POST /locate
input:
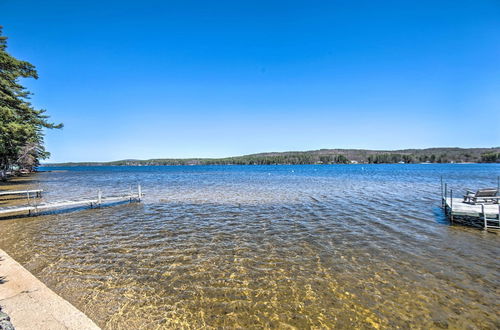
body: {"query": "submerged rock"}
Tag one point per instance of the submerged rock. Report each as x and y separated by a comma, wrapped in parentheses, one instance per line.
(5, 321)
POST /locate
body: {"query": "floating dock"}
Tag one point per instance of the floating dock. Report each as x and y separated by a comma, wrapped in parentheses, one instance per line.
(483, 215)
(99, 200)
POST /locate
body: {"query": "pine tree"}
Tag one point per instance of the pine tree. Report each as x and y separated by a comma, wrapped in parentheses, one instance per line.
(21, 125)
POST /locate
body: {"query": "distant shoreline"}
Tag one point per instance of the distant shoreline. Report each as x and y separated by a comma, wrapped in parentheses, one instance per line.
(173, 165)
(323, 156)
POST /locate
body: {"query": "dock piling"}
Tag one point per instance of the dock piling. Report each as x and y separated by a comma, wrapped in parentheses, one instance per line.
(484, 217)
(451, 205)
(445, 197)
(442, 195)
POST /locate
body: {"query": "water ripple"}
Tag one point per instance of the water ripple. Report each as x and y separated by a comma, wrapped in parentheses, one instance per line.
(259, 247)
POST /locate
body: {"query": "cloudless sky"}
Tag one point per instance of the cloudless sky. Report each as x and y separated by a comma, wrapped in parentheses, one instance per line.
(152, 79)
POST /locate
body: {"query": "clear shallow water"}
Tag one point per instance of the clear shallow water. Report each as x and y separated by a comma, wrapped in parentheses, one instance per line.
(266, 246)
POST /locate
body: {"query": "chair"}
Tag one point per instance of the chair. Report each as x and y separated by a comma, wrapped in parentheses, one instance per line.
(488, 195)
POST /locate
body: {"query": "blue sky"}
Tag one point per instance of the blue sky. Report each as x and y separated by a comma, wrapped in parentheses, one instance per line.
(150, 79)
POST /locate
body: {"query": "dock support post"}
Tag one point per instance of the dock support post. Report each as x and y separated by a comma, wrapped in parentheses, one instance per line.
(445, 197)
(442, 195)
(498, 215)
(451, 205)
(139, 192)
(484, 217)
(32, 212)
(99, 198)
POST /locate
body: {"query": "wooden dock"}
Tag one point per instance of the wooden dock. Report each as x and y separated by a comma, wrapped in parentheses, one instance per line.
(484, 215)
(34, 192)
(98, 201)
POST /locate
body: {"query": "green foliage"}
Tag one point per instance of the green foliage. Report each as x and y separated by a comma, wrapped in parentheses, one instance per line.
(491, 157)
(341, 159)
(386, 158)
(21, 125)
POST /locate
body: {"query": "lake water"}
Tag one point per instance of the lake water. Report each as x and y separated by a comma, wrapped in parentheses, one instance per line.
(345, 246)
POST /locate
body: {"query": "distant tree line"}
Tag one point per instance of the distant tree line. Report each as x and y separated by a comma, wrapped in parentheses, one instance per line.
(332, 156)
(389, 158)
(21, 125)
(292, 158)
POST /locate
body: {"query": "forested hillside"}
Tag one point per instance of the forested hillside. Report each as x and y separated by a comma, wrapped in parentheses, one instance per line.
(332, 156)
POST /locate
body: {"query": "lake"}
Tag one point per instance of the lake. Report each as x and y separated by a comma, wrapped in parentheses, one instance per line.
(345, 246)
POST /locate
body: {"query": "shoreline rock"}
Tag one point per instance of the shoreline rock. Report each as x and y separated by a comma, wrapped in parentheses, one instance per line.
(5, 323)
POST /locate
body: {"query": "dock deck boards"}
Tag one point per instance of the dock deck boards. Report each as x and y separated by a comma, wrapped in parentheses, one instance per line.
(486, 214)
(461, 208)
(36, 192)
(62, 204)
